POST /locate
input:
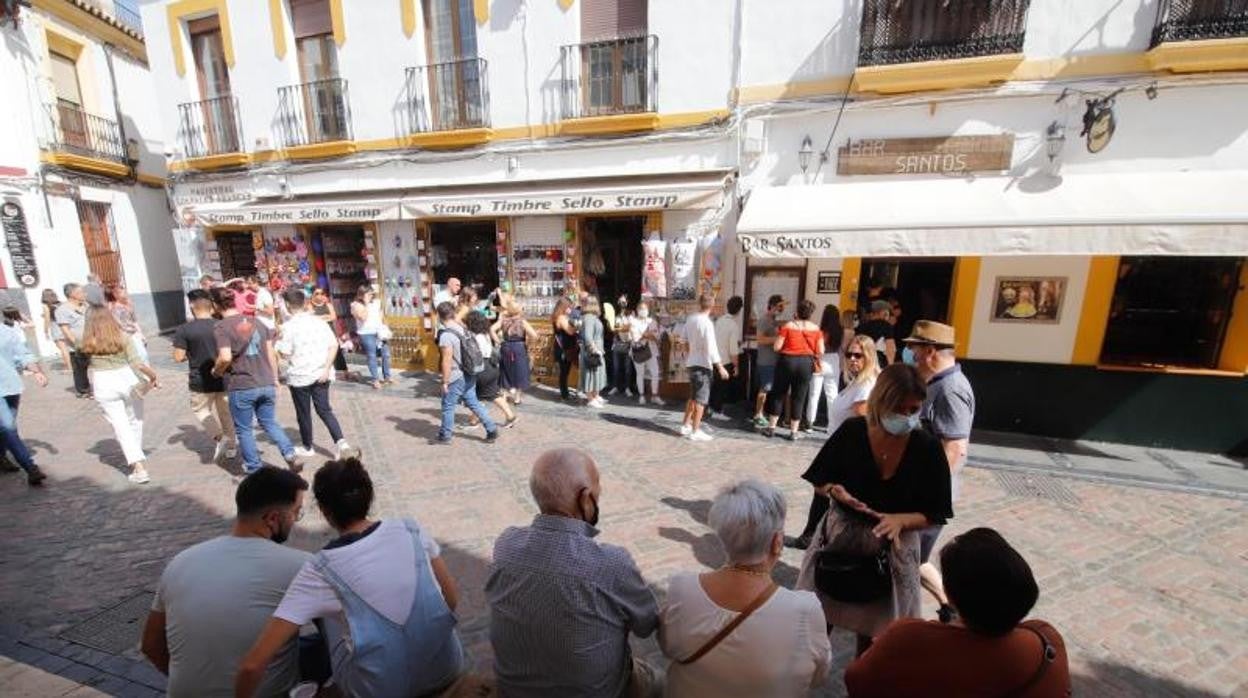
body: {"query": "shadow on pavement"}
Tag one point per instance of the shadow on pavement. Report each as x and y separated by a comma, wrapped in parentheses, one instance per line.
(706, 548)
(1109, 678)
(1039, 443)
(636, 423)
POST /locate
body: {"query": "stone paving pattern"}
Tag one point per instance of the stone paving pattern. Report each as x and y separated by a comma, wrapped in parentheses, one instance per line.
(1141, 555)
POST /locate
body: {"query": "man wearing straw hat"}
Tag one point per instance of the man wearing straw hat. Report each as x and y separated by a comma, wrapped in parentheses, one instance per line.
(947, 413)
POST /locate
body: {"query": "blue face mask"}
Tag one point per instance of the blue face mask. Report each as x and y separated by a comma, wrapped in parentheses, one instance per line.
(907, 356)
(900, 424)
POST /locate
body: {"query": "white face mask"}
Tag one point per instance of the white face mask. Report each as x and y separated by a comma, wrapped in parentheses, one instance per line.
(643, 313)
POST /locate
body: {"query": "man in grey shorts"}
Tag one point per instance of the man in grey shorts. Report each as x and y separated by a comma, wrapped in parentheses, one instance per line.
(765, 363)
(699, 334)
(947, 413)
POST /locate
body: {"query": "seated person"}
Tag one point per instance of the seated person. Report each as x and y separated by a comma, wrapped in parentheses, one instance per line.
(780, 648)
(214, 598)
(988, 650)
(383, 593)
(562, 605)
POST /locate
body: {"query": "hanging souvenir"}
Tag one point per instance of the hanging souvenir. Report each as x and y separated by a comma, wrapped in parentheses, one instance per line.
(684, 282)
(711, 252)
(654, 268)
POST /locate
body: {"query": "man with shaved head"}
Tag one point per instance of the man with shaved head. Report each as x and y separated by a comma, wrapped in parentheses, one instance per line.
(562, 605)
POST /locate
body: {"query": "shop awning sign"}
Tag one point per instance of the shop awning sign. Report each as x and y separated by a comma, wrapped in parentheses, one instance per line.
(562, 203)
(309, 213)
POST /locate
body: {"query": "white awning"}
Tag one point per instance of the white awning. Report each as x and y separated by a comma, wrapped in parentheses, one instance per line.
(639, 193)
(1104, 214)
(312, 211)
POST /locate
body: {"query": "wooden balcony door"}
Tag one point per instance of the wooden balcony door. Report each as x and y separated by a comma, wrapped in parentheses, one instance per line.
(454, 87)
(103, 257)
(219, 132)
(323, 107)
(613, 71)
(71, 125)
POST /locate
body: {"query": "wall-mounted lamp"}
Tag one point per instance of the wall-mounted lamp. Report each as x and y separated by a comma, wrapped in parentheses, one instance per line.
(803, 154)
(1054, 139)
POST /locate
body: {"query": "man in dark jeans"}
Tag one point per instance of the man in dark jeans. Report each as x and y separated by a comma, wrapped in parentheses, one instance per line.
(71, 317)
(310, 347)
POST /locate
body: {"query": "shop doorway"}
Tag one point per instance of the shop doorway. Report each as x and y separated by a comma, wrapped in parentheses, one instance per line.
(612, 257)
(921, 286)
(236, 253)
(344, 267)
(465, 250)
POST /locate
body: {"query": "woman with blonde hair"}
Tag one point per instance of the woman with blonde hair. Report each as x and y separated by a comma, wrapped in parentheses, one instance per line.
(119, 377)
(511, 331)
(593, 353)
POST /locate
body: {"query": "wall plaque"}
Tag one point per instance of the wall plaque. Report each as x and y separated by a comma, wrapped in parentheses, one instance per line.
(951, 154)
(17, 238)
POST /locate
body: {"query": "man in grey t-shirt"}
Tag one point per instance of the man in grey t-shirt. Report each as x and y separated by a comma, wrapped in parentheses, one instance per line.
(765, 364)
(459, 383)
(214, 598)
(948, 413)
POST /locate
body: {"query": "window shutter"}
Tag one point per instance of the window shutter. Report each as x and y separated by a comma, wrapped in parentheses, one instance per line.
(610, 19)
(310, 18)
(203, 25)
(65, 79)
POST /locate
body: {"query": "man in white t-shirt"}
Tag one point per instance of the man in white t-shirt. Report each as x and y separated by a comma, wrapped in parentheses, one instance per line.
(699, 334)
(728, 339)
(266, 313)
(309, 347)
(449, 294)
(215, 597)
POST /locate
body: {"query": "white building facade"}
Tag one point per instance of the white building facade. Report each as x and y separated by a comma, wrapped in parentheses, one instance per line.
(811, 147)
(82, 160)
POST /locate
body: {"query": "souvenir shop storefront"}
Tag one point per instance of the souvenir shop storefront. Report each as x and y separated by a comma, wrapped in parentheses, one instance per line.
(657, 236)
(1087, 308)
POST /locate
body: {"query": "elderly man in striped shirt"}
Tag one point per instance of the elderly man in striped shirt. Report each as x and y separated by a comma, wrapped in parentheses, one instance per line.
(562, 605)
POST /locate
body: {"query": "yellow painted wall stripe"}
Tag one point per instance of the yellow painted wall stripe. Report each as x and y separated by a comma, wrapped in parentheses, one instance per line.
(183, 9)
(340, 26)
(407, 8)
(962, 301)
(277, 21)
(851, 270)
(1098, 296)
(1235, 345)
(481, 10)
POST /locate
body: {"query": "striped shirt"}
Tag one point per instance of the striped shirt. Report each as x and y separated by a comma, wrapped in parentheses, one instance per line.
(561, 609)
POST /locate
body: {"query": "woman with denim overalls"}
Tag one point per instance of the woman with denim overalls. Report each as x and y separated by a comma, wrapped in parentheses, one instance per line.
(383, 595)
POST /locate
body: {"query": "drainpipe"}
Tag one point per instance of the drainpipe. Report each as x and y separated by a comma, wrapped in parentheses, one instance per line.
(121, 124)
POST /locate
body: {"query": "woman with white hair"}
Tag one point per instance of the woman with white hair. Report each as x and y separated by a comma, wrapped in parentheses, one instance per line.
(733, 631)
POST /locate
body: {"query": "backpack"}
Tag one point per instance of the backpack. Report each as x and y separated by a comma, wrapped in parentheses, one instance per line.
(471, 362)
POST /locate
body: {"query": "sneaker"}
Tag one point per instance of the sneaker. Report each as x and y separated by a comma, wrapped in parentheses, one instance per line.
(491, 437)
(295, 463)
(304, 452)
(656, 400)
(700, 435)
(35, 476)
(597, 403)
(440, 441)
(641, 399)
(218, 451)
(346, 450)
(794, 435)
(760, 422)
(139, 477)
(686, 429)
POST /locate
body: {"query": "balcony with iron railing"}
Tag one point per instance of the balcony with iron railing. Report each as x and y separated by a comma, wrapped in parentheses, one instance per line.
(1200, 35)
(314, 119)
(609, 86)
(447, 105)
(938, 44)
(210, 133)
(83, 141)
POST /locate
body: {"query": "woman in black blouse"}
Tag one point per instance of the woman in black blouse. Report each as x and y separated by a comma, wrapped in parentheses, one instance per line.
(884, 468)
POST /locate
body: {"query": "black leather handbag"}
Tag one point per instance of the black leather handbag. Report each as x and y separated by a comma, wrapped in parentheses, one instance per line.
(853, 577)
(640, 352)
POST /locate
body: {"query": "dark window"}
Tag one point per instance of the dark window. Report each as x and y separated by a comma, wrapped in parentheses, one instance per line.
(1170, 311)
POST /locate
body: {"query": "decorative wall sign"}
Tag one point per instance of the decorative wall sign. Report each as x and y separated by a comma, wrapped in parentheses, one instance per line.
(1028, 299)
(1099, 123)
(829, 282)
(951, 154)
(17, 239)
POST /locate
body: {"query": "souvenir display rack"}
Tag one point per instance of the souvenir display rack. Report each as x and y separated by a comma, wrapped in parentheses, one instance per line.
(347, 261)
(540, 277)
(233, 254)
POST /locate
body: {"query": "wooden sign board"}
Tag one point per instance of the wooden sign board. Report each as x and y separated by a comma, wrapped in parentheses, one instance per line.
(948, 155)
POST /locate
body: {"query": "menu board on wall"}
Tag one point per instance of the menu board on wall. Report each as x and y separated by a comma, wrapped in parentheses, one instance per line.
(17, 239)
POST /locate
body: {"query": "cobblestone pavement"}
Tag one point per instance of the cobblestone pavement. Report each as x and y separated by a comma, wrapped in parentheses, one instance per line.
(1142, 555)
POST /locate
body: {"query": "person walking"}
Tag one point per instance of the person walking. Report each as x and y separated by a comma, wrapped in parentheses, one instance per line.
(702, 363)
(826, 383)
(248, 363)
(122, 308)
(488, 381)
(116, 368)
(15, 359)
(195, 343)
(728, 339)
(461, 363)
(512, 331)
(948, 414)
(593, 354)
(71, 318)
(643, 334)
(800, 345)
(765, 362)
(565, 343)
(324, 309)
(309, 347)
(373, 333)
(51, 330)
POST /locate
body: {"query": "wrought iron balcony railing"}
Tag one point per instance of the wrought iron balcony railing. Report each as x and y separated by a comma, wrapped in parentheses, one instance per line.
(78, 132)
(314, 112)
(448, 96)
(1190, 20)
(210, 127)
(615, 76)
(915, 31)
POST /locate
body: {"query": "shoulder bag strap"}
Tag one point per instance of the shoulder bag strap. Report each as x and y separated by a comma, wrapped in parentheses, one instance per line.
(1048, 655)
(727, 629)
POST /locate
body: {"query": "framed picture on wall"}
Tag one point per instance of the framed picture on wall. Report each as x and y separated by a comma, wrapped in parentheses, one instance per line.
(1028, 299)
(829, 282)
(763, 282)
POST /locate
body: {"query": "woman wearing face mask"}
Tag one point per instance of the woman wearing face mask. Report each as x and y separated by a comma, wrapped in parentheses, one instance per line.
(643, 331)
(883, 470)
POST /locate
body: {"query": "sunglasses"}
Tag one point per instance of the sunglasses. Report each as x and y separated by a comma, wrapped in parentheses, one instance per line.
(855, 355)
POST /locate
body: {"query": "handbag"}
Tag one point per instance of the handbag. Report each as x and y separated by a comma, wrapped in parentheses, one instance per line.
(640, 352)
(593, 360)
(853, 577)
(732, 625)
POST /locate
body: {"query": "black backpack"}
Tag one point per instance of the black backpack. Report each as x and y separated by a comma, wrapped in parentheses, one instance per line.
(471, 362)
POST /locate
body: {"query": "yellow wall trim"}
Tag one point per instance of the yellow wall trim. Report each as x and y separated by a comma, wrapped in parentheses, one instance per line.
(217, 162)
(851, 271)
(92, 25)
(340, 26)
(59, 43)
(601, 125)
(1235, 345)
(962, 301)
(513, 133)
(1200, 56)
(83, 163)
(182, 10)
(321, 150)
(277, 22)
(979, 71)
(407, 8)
(795, 90)
(460, 138)
(692, 118)
(565, 4)
(481, 10)
(151, 180)
(1098, 296)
